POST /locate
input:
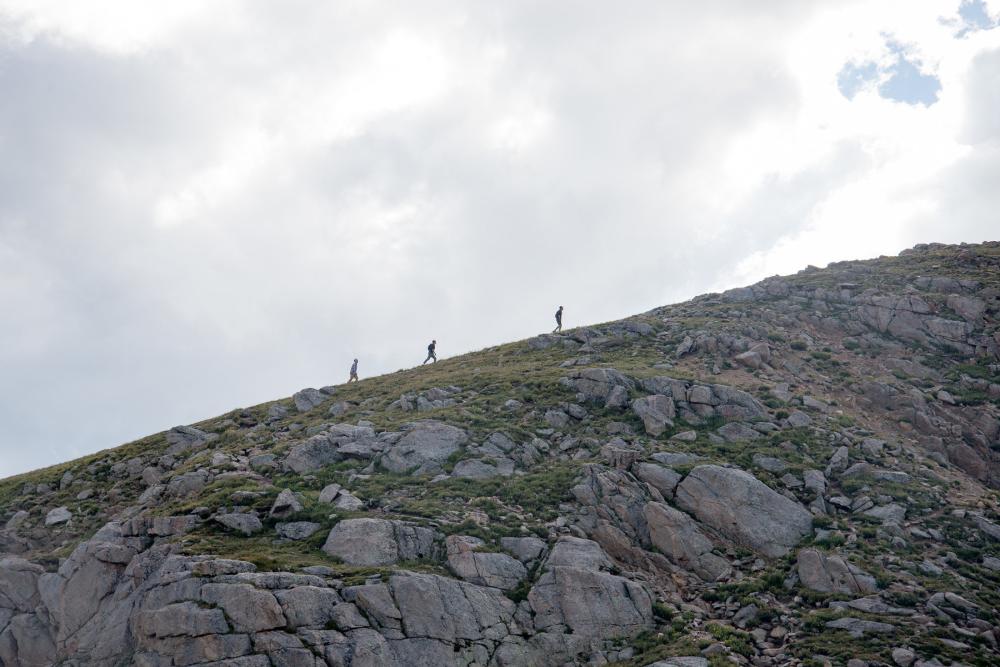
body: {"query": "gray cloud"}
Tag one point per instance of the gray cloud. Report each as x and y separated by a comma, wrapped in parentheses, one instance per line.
(240, 207)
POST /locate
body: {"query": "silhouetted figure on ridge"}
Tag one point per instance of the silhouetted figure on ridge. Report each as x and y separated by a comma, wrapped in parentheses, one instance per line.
(430, 352)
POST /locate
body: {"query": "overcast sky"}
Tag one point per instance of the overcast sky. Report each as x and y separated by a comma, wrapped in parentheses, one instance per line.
(206, 205)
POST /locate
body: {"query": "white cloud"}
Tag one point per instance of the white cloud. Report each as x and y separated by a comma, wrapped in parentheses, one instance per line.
(206, 205)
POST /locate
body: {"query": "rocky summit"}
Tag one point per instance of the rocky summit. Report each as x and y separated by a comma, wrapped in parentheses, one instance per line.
(800, 472)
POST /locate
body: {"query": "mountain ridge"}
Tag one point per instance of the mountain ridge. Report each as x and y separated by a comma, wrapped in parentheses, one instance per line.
(801, 471)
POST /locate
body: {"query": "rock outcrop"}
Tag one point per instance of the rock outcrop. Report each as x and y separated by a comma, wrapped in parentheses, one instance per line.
(743, 508)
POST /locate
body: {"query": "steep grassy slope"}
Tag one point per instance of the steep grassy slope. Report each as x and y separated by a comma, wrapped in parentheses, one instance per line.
(880, 378)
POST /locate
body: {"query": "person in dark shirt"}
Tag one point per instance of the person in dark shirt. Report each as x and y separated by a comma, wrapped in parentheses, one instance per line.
(558, 320)
(430, 352)
(354, 372)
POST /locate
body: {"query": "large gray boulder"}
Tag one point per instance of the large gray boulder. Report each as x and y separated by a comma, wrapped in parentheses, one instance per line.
(656, 412)
(832, 574)
(379, 542)
(483, 568)
(424, 449)
(27, 642)
(678, 537)
(530, 549)
(245, 523)
(744, 509)
(313, 454)
(19, 584)
(659, 477)
(248, 608)
(308, 398)
(57, 516)
(182, 619)
(595, 605)
(448, 610)
(308, 606)
(578, 553)
(187, 483)
(605, 386)
(296, 530)
(185, 438)
(483, 469)
(697, 401)
(285, 505)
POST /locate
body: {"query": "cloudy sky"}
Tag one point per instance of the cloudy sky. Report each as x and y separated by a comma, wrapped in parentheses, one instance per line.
(206, 205)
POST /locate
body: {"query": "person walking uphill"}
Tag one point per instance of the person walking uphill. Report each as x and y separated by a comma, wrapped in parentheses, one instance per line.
(354, 372)
(430, 352)
(558, 320)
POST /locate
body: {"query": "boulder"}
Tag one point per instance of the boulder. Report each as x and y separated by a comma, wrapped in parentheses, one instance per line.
(769, 463)
(308, 606)
(27, 642)
(19, 584)
(676, 458)
(556, 419)
(815, 481)
(798, 419)
(530, 549)
(756, 357)
(448, 610)
(891, 513)
(482, 568)
(832, 574)
(483, 468)
(744, 509)
(329, 493)
(605, 386)
(307, 399)
(57, 516)
(380, 542)
(681, 661)
(578, 553)
(185, 438)
(591, 604)
(424, 449)
(188, 483)
(16, 519)
(348, 502)
(247, 607)
(313, 454)
(656, 412)
(661, 478)
(678, 537)
(248, 524)
(181, 619)
(737, 432)
(285, 505)
(297, 530)
(858, 627)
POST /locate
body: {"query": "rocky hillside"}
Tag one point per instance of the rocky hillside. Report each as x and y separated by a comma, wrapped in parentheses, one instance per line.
(800, 472)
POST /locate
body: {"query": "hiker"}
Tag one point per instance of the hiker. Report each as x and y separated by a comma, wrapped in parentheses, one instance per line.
(430, 352)
(354, 372)
(558, 320)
